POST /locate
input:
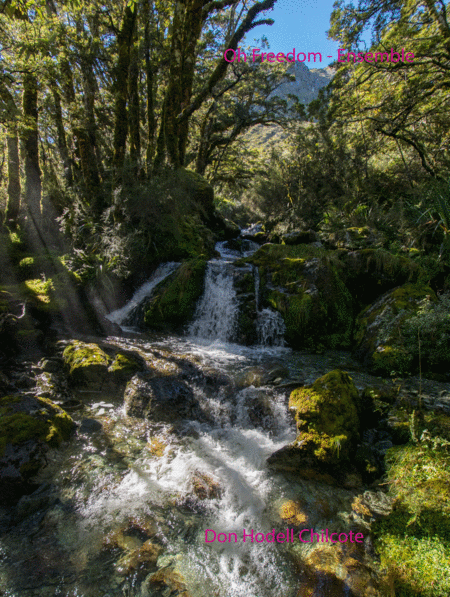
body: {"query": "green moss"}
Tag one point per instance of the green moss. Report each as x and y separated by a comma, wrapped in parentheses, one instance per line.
(79, 355)
(174, 300)
(124, 363)
(326, 416)
(304, 283)
(48, 424)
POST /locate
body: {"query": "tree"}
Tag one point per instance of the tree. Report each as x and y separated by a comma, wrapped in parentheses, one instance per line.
(406, 102)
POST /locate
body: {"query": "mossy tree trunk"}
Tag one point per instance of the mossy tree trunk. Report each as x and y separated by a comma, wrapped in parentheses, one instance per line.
(30, 141)
(186, 30)
(12, 141)
(188, 21)
(61, 140)
(124, 41)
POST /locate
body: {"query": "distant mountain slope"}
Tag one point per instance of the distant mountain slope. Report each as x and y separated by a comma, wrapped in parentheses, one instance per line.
(307, 82)
(306, 87)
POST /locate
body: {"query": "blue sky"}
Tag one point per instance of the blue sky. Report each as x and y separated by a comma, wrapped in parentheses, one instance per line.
(299, 24)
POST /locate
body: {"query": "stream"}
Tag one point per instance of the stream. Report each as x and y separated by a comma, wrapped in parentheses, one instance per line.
(125, 508)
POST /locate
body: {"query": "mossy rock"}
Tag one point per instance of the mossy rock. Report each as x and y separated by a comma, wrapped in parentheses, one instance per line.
(328, 427)
(173, 302)
(305, 285)
(28, 427)
(378, 329)
(90, 366)
(370, 273)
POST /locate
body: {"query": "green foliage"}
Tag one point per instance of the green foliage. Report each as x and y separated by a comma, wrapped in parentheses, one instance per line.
(414, 541)
(431, 327)
(326, 416)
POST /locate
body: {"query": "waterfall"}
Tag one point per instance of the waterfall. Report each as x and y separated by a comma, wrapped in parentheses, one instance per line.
(270, 328)
(216, 314)
(124, 314)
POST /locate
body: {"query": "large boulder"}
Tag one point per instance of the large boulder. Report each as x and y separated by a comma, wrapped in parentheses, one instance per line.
(29, 426)
(328, 429)
(89, 366)
(380, 341)
(173, 302)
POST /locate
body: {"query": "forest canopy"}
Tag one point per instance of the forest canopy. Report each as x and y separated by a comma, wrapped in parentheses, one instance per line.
(100, 101)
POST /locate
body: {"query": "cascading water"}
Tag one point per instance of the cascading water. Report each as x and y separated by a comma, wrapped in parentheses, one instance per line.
(270, 326)
(134, 500)
(216, 314)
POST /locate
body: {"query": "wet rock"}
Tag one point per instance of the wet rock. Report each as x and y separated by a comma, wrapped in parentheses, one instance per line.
(164, 583)
(293, 513)
(340, 569)
(141, 559)
(371, 506)
(41, 499)
(157, 446)
(51, 365)
(173, 302)
(161, 399)
(89, 426)
(305, 285)
(29, 426)
(205, 487)
(130, 535)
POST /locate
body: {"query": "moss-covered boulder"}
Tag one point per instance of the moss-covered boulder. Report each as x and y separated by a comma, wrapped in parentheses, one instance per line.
(304, 284)
(89, 366)
(29, 426)
(379, 337)
(173, 302)
(369, 273)
(328, 428)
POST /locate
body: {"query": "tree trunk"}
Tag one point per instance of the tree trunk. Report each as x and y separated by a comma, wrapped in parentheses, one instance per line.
(134, 111)
(84, 149)
(61, 139)
(33, 188)
(124, 40)
(151, 124)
